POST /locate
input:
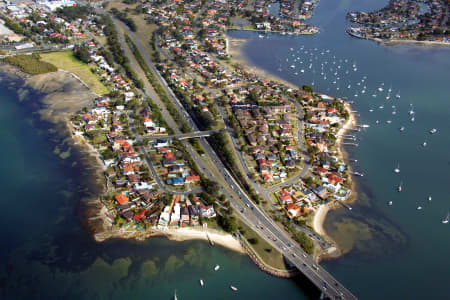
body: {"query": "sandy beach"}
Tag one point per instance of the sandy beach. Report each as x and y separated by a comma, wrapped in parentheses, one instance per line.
(234, 47)
(181, 234)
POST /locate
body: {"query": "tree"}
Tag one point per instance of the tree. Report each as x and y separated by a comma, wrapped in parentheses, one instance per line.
(82, 54)
(308, 88)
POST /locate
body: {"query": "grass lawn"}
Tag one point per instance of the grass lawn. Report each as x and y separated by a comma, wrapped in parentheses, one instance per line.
(66, 61)
(271, 257)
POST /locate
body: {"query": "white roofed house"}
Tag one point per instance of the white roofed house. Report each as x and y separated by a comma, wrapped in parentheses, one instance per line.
(207, 211)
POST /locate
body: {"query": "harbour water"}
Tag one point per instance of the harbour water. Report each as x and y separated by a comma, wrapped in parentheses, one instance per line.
(398, 251)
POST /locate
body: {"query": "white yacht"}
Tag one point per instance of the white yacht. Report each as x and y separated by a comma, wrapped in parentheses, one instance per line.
(397, 170)
(433, 131)
(216, 267)
(201, 282)
(390, 203)
(419, 207)
(445, 221)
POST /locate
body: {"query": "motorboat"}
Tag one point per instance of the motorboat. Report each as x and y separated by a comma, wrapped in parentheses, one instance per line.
(201, 282)
(429, 198)
(233, 288)
(397, 170)
(399, 189)
(419, 207)
(217, 267)
(433, 131)
(390, 203)
(402, 128)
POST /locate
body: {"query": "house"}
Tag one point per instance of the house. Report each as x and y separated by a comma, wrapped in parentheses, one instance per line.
(175, 216)
(191, 179)
(175, 181)
(164, 218)
(293, 210)
(121, 199)
(207, 211)
(285, 197)
(184, 221)
(193, 211)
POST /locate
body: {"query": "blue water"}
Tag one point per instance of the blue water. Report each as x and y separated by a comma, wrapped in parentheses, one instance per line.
(397, 251)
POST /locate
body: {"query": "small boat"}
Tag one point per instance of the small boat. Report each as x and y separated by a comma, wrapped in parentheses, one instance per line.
(445, 221)
(419, 207)
(424, 143)
(398, 95)
(261, 36)
(370, 110)
(402, 128)
(292, 66)
(399, 189)
(233, 288)
(380, 89)
(388, 121)
(397, 170)
(429, 198)
(433, 131)
(390, 203)
(201, 282)
(413, 119)
(175, 296)
(217, 267)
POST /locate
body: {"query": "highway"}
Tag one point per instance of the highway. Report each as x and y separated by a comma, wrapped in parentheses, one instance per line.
(244, 208)
(252, 214)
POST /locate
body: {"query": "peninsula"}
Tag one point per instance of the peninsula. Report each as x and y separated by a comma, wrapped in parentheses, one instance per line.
(192, 144)
(404, 21)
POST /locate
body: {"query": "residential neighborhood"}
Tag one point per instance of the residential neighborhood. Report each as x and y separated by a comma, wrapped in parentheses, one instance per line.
(404, 20)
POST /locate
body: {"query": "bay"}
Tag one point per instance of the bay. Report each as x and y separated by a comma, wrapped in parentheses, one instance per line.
(393, 251)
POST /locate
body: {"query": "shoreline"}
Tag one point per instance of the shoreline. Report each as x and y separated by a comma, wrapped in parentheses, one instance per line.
(234, 47)
(399, 41)
(181, 234)
(57, 111)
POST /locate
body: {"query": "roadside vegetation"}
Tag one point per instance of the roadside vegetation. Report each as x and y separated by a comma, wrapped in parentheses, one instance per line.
(30, 64)
(178, 118)
(262, 249)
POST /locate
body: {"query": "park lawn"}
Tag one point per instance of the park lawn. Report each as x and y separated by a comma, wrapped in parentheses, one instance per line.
(273, 258)
(66, 61)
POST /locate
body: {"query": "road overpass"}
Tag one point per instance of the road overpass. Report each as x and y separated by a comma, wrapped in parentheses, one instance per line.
(183, 136)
